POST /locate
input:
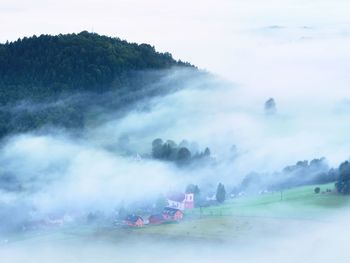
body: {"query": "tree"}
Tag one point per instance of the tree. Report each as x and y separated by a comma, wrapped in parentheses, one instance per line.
(343, 184)
(172, 150)
(192, 188)
(183, 155)
(166, 151)
(157, 145)
(220, 193)
(184, 143)
(270, 106)
(317, 190)
(207, 152)
(172, 144)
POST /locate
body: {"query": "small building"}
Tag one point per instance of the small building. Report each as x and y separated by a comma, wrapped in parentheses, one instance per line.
(134, 221)
(156, 219)
(189, 201)
(172, 214)
(181, 201)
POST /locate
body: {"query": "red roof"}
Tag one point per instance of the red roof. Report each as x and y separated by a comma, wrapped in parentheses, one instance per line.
(133, 218)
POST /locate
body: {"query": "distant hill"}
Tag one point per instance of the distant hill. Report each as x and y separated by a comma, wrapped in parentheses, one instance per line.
(38, 67)
(58, 80)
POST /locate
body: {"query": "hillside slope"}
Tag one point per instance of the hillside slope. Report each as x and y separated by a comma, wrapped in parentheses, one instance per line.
(46, 65)
(59, 80)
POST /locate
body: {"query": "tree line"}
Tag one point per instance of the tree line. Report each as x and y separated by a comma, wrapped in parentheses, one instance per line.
(302, 173)
(180, 153)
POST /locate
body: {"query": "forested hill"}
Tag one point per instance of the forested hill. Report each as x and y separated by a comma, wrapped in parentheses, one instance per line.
(43, 66)
(64, 80)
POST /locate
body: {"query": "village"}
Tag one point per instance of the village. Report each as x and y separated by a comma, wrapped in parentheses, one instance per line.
(173, 212)
(175, 204)
(174, 208)
(208, 217)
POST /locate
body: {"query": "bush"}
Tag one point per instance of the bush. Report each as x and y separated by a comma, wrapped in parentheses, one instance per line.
(343, 184)
(317, 190)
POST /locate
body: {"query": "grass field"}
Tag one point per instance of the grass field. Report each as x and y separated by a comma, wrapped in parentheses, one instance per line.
(261, 228)
(244, 218)
(297, 203)
(252, 216)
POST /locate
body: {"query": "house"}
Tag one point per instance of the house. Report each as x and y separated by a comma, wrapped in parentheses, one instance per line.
(134, 221)
(181, 201)
(189, 201)
(172, 214)
(156, 219)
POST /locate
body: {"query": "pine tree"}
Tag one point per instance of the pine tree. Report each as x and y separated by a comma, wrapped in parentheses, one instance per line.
(343, 184)
(220, 193)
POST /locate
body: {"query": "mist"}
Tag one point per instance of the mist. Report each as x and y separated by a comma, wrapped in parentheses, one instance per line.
(315, 243)
(99, 167)
(296, 52)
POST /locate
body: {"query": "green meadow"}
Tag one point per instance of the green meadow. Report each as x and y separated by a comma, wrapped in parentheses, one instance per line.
(264, 215)
(239, 219)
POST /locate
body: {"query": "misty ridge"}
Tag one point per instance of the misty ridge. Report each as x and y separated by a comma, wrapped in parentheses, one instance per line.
(234, 147)
(118, 161)
(59, 154)
(75, 110)
(77, 163)
(74, 69)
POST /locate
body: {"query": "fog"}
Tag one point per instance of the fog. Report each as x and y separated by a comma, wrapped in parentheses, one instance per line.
(323, 242)
(109, 162)
(294, 51)
(100, 166)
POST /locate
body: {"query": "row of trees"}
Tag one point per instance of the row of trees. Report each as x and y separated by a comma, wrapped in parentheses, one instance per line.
(180, 153)
(317, 171)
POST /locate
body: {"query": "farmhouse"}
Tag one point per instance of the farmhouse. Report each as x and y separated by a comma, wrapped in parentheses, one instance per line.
(134, 220)
(181, 201)
(156, 219)
(172, 214)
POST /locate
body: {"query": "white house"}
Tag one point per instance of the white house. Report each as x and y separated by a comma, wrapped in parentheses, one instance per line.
(181, 201)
